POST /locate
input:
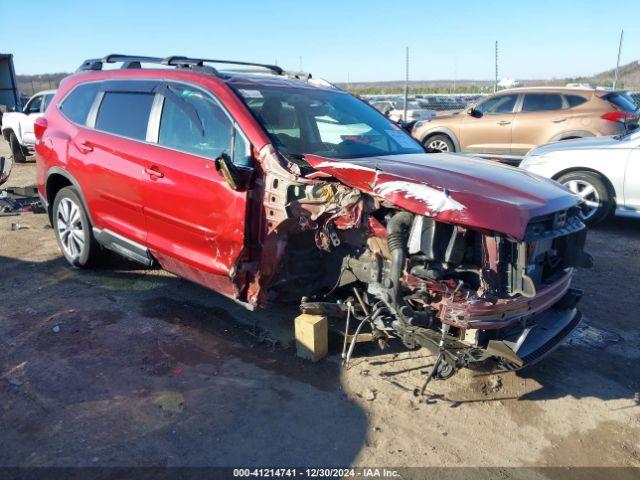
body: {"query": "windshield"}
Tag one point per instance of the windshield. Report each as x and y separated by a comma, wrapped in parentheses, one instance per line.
(327, 123)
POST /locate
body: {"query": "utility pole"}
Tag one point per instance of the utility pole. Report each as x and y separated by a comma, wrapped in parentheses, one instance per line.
(615, 80)
(455, 74)
(495, 85)
(406, 86)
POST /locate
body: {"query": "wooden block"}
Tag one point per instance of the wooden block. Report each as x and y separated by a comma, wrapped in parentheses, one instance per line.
(312, 332)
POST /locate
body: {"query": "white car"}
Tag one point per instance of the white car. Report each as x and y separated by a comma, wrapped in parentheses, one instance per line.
(414, 112)
(604, 171)
(394, 109)
(17, 127)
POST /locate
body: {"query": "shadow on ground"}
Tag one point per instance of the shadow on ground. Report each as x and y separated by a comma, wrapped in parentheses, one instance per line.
(124, 367)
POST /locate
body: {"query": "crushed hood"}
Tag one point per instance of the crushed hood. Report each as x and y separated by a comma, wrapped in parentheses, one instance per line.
(453, 188)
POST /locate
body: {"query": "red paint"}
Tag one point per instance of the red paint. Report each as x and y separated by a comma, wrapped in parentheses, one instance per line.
(176, 204)
(496, 197)
(181, 208)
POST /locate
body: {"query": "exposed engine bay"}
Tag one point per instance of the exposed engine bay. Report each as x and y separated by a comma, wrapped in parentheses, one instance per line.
(466, 294)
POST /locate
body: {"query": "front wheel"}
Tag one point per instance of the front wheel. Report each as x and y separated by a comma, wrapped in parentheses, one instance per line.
(596, 198)
(73, 229)
(16, 149)
(441, 143)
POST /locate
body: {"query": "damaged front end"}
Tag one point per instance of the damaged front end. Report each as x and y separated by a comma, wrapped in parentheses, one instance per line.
(387, 256)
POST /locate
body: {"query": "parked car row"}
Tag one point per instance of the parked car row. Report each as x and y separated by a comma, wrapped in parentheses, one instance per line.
(394, 109)
(270, 189)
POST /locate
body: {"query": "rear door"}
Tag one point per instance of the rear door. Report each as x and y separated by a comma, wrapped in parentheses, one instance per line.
(195, 220)
(491, 132)
(112, 151)
(540, 117)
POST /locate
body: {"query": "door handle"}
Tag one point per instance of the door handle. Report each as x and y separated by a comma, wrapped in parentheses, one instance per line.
(154, 173)
(559, 120)
(504, 122)
(84, 146)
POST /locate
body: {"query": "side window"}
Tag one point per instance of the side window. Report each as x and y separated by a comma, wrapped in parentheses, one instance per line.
(499, 104)
(34, 105)
(241, 151)
(76, 105)
(125, 113)
(193, 122)
(539, 102)
(47, 101)
(574, 100)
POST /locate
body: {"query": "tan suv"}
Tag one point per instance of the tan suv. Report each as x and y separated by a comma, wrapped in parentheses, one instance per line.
(510, 123)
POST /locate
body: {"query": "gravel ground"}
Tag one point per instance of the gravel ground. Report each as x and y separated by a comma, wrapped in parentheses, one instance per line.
(122, 367)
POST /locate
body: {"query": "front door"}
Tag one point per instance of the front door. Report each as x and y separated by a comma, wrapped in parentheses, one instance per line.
(489, 129)
(632, 181)
(195, 220)
(33, 109)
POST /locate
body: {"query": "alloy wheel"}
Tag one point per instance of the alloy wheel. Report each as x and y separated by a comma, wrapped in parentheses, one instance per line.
(590, 198)
(70, 228)
(439, 145)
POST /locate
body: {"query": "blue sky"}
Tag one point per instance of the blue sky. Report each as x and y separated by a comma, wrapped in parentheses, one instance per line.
(360, 40)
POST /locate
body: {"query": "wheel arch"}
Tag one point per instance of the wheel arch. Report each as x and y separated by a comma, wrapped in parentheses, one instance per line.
(57, 179)
(571, 134)
(605, 179)
(441, 131)
(6, 133)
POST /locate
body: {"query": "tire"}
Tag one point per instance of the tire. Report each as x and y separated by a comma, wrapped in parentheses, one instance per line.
(73, 229)
(598, 199)
(16, 149)
(439, 142)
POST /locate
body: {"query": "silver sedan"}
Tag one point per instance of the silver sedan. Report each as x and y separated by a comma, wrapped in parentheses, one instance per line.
(603, 171)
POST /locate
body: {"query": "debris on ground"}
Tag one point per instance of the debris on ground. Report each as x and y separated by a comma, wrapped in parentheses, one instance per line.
(16, 200)
(591, 337)
(172, 402)
(369, 394)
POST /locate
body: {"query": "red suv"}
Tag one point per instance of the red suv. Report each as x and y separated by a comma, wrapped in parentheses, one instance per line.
(276, 187)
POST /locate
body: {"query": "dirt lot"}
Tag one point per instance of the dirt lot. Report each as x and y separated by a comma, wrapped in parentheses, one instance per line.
(120, 367)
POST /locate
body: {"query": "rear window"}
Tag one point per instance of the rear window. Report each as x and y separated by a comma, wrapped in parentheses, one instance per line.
(124, 113)
(538, 102)
(574, 100)
(77, 104)
(623, 101)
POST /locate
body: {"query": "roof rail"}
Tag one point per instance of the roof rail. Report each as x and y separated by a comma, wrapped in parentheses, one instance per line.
(132, 61)
(199, 62)
(128, 61)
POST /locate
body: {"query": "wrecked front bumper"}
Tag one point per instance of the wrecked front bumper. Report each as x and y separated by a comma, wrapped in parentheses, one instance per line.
(538, 336)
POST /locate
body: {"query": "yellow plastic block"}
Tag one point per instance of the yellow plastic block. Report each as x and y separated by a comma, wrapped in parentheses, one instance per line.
(311, 336)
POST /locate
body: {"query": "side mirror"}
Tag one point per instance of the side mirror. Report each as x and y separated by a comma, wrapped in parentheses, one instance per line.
(238, 178)
(474, 113)
(407, 126)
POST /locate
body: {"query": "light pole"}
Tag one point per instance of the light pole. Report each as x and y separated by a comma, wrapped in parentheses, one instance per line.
(406, 86)
(615, 80)
(495, 85)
